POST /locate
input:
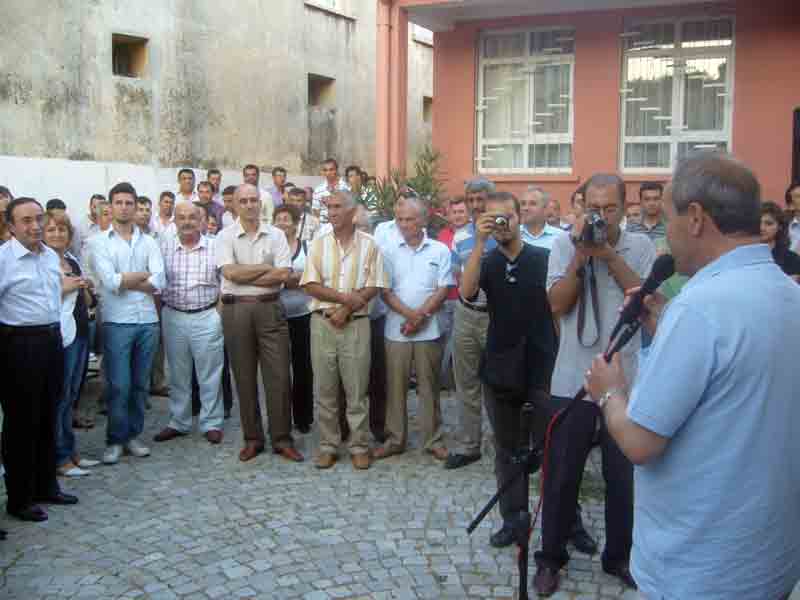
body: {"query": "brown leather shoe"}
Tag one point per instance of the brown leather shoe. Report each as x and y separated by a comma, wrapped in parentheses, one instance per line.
(289, 453)
(325, 461)
(382, 452)
(545, 582)
(439, 453)
(167, 434)
(360, 461)
(214, 436)
(250, 451)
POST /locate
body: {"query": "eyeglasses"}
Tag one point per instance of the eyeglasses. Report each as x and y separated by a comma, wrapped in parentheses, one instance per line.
(511, 273)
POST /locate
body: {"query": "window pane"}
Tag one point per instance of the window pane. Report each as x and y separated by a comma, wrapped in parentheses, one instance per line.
(551, 98)
(705, 94)
(688, 147)
(641, 156)
(650, 36)
(503, 157)
(505, 90)
(648, 96)
(705, 34)
(552, 42)
(504, 46)
(550, 156)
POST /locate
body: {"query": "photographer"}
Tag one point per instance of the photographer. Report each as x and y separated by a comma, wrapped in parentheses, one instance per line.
(587, 275)
(520, 343)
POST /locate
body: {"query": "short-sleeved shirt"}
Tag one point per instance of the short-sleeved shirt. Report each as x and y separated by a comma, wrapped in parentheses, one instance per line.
(717, 514)
(655, 233)
(574, 357)
(295, 301)
(345, 270)
(267, 247)
(415, 274)
(519, 307)
(30, 285)
(545, 239)
(192, 276)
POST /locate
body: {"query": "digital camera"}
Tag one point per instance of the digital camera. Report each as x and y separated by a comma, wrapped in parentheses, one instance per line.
(501, 222)
(595, 230)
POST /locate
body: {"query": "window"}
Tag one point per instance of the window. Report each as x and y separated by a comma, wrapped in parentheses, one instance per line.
(677, 91)
(320, 90)
(525, 110)
(128, 55)
(427, 109)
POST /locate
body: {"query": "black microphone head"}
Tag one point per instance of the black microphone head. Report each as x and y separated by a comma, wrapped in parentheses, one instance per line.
(663, 269)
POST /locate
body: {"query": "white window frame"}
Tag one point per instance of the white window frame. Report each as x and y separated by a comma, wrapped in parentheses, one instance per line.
(531, 139)
(679, 54)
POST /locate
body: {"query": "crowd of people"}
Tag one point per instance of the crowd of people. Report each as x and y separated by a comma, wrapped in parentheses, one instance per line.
(339, 312)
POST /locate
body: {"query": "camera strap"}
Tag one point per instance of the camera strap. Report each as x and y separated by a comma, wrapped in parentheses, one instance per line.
(582, 304)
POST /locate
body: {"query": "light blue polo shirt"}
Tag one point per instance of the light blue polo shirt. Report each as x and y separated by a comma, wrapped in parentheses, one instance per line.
(717, 515)
(545, 239)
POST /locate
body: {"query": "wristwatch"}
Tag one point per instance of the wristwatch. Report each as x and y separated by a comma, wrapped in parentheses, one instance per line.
(601, 401)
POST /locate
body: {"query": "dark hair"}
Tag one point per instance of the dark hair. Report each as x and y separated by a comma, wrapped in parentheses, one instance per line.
(168, 194)
(122, 188)
(250, 168)
(456, 200)
(725, 189)
(205, 184)
(351, 168)
(99, 197)
(277, 170)
(4, 191)
(504, 197)
(606, 180)
(582, 191)
(331, 161)
(297, 191)
(211, 172)
(187, 170)
(144, 200)
(55, 204)
(290, 210)
(651, 186)
(231, 189)
(782, 241)
(204, 207)
(789, 190)
(289, 185)
(19, 202)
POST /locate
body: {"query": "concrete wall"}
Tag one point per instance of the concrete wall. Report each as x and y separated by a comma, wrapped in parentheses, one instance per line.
(226, 84)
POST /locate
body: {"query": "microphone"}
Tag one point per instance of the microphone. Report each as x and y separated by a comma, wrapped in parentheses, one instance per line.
(663, 269)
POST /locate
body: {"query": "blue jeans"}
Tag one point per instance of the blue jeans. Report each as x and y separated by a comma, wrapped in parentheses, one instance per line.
(75, 357)
(129, 350)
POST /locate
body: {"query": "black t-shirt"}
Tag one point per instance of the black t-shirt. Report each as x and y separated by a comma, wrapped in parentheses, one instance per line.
(518, 306)
(80, 312)
(787, 260)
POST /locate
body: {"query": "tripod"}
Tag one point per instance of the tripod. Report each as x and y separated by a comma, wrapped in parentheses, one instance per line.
(527, 461)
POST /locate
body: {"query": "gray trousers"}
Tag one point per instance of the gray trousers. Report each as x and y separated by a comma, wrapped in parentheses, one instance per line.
(469, 342)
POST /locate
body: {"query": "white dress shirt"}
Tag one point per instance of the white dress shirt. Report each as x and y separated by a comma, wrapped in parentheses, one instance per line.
(30, 285)
(111, 257)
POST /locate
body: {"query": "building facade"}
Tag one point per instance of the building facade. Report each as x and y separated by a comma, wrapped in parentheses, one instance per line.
(549, 92)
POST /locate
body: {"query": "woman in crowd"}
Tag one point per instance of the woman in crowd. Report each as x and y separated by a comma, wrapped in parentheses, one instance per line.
(775, 232)
(295, 303)
(76, 299)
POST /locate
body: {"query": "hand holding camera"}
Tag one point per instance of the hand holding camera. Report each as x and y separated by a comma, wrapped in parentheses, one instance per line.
(590, 237)
(490, 222)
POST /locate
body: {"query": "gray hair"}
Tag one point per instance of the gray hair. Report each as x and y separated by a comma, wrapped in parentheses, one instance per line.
(239, 189)
(724, 187)
(606, 180)
(419, 204)
(479, 184)
(347, 198)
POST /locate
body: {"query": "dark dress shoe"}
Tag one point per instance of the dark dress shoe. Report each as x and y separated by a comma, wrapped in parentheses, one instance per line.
(59, 498)
(304, 429)
(456, 461)
(3, 534)
(624, 575)
(502, 538)
(214, 436)
(249, 452)
(545, 582)
(583, 542)
(167, 434)
(227, 413)
(31, 513)
(289, 453)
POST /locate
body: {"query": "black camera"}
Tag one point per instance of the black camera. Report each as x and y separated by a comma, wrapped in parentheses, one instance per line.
(595, 230)
(501, 222)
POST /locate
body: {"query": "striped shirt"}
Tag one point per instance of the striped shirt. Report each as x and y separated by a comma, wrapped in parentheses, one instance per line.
(344, 269)
(267, 247)
(192, 276)
(321, 193)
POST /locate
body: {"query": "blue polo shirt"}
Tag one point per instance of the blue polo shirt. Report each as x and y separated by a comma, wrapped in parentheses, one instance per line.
(717, 515)
(545, 239)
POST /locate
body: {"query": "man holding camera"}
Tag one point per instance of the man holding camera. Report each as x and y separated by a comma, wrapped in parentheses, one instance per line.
(588, 273)
(520, 342)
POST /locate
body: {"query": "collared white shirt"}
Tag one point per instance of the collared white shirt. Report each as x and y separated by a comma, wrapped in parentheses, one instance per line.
(545, 239)
(228, 219)
(321, 192)
(111, 257)
(415, 274)
(30, 285)
(267, 206)
(794, 233)
(387, 233)
(267, 247)
(179, 197)
(161, 230)
(192, 277)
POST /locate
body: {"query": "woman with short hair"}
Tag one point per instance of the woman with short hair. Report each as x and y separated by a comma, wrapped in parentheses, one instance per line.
(775, 233)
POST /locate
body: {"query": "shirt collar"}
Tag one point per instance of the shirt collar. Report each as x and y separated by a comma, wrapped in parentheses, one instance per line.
(137, 233)
(738, 257)
(19, 250)
(203, 243)
(425, 241)
(263, 228)
(548, 230)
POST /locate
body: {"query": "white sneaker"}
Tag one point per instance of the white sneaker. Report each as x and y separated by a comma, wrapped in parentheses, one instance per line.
(137, 448)
(112, 454)
(87, 463)
(75, 472)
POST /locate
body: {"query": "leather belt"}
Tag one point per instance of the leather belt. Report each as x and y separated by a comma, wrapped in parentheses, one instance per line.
(191, 311)
(327, 314)
(231, 299)
(472, 306)
(14, 330)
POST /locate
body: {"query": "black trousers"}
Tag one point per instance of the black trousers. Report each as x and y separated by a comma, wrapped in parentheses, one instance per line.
(569, 448)
(302, 375)
(31, 369)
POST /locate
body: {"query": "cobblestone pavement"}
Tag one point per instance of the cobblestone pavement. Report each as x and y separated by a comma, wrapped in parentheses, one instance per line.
(191, 521)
